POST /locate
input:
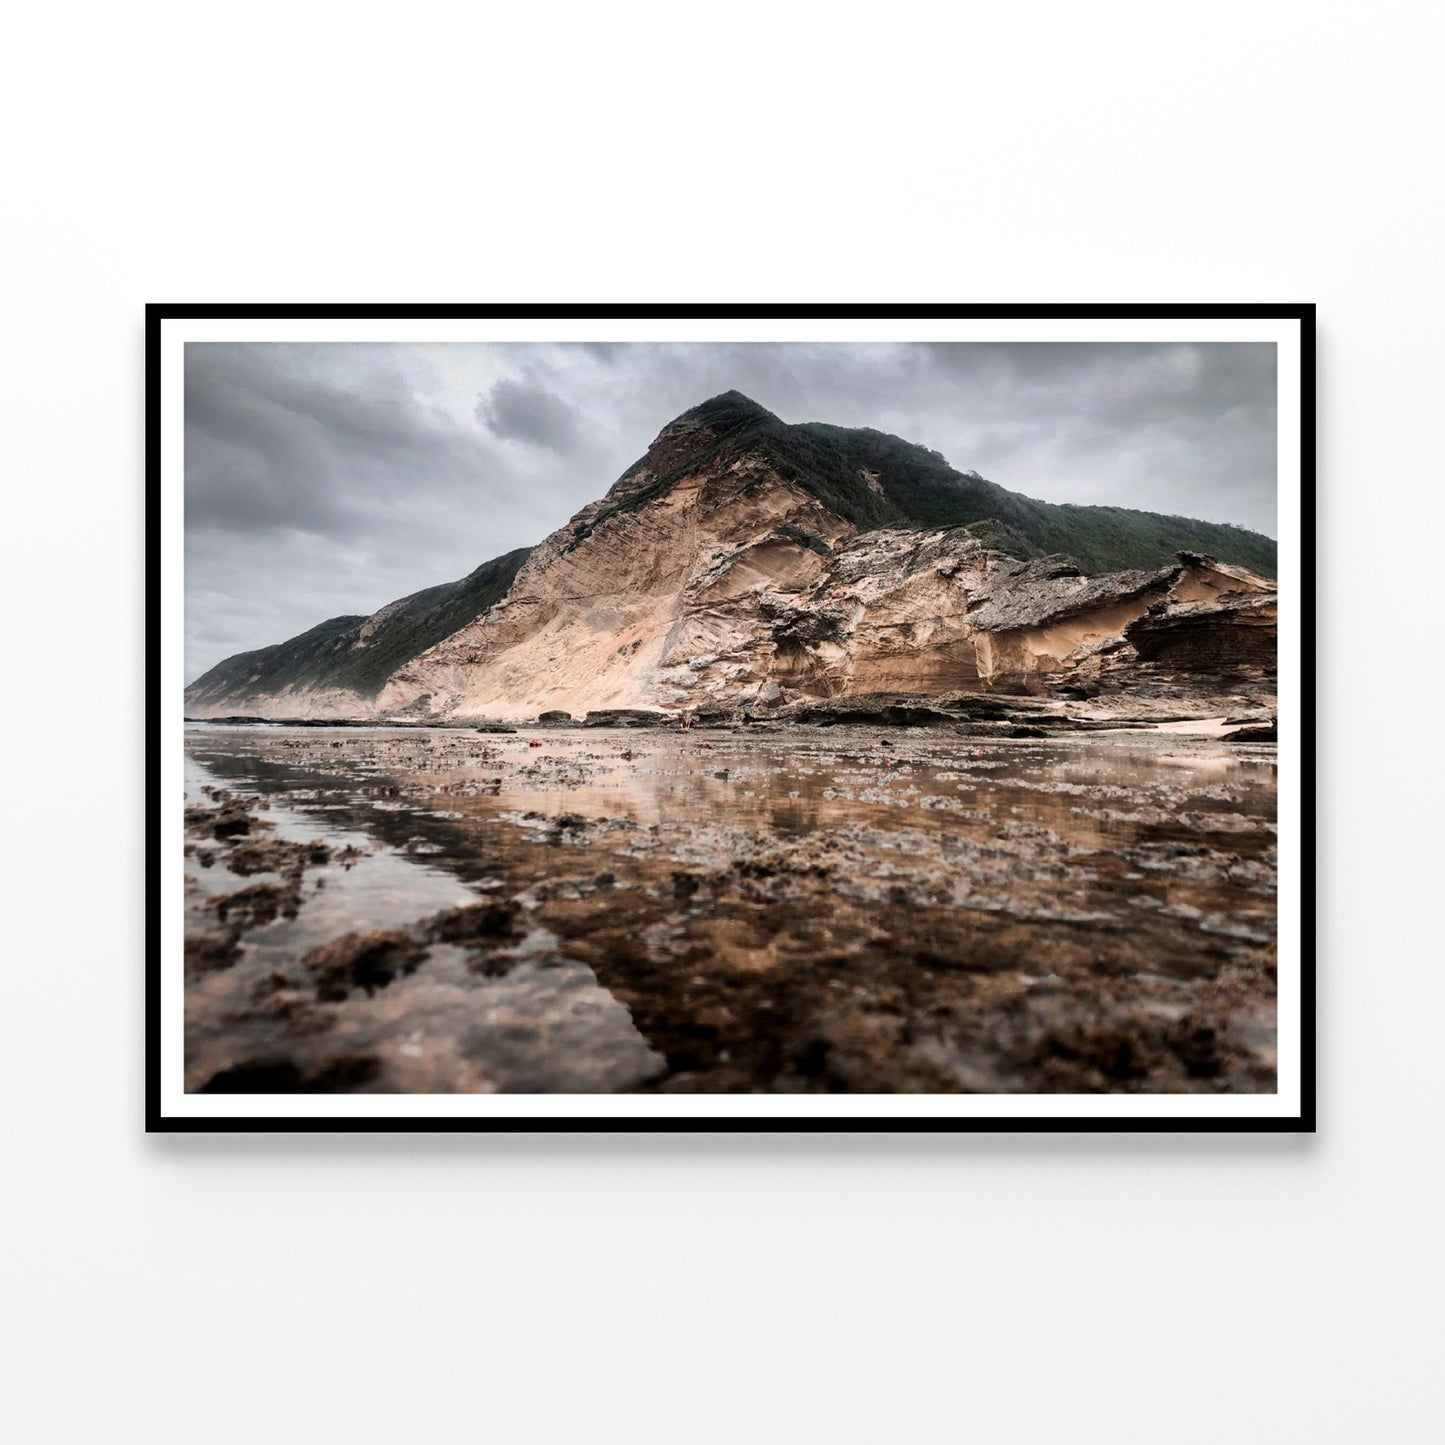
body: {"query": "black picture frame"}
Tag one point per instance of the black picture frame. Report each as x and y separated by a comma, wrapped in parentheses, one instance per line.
(157, 1121)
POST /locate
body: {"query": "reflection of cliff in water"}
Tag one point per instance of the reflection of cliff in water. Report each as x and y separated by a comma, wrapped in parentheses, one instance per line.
(799, 910)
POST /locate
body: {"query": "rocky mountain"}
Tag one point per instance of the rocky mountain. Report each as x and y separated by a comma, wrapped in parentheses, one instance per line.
(338, 667)
(745, 563)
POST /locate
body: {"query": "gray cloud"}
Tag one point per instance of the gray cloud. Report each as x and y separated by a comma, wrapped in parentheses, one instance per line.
(330, 479)
(522, 409)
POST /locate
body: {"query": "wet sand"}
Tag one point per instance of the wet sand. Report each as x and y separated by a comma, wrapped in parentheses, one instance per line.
(794, 910)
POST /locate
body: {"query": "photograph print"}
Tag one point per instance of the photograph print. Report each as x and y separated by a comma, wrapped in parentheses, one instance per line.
(730, 718)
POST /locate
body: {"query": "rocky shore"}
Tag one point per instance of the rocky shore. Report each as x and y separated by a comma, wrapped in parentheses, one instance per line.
(950, 894)
(1235, 702)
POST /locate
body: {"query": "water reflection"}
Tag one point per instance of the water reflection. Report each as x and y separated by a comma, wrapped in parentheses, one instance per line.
(802, 909)
(533, 1021)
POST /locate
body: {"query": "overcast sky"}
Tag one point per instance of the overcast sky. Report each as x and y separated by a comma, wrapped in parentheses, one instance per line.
(331, 479)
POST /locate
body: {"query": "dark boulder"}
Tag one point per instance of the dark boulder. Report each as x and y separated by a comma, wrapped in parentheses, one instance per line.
(627, 717)
(1257, 733)
(1238, 629)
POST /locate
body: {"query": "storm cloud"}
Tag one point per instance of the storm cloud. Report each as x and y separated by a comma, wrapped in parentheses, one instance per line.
(324, 479)
(522, 409)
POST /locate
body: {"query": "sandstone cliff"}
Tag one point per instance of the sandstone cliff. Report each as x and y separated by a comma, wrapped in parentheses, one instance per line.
(742, 563)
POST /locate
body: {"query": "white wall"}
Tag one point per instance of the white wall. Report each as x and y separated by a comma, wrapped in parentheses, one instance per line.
(1250, 1290)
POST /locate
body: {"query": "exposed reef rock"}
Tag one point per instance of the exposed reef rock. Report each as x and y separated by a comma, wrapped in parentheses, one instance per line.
(626, 717)
(747, 567)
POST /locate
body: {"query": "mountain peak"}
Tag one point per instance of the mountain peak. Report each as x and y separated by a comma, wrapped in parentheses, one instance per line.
(728, 408)
(728, 420)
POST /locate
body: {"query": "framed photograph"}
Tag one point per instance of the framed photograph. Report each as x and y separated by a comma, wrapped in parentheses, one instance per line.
(731, 718)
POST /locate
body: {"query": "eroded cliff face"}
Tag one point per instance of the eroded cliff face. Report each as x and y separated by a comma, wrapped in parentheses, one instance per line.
(1236, 629)
(717, 576)
(636, 604)
(734, 588)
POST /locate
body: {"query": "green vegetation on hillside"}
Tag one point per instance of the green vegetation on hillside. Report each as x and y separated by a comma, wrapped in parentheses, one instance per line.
(921, 489)
(274, 667)
(916, 487)
(328, 655)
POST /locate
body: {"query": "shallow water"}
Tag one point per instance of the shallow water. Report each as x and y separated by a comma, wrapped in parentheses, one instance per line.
(841, 909)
